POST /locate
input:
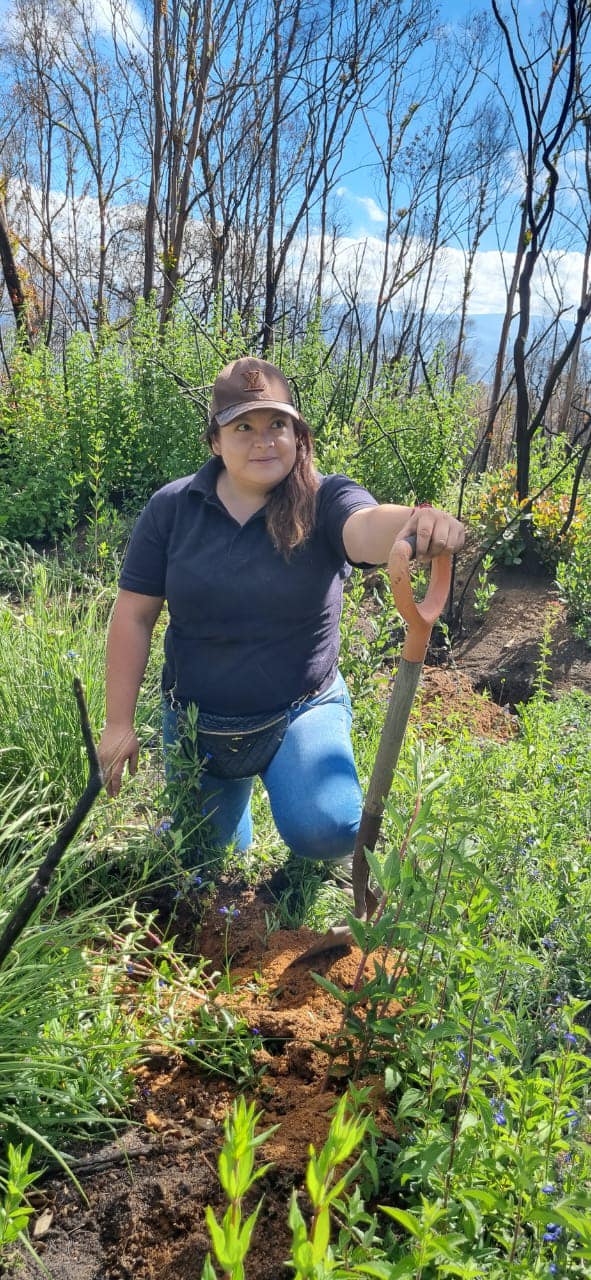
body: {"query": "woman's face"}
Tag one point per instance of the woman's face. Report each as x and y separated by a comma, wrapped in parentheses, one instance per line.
(258, 450)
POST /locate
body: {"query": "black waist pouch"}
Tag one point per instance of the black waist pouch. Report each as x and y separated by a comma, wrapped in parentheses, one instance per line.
(239, 746)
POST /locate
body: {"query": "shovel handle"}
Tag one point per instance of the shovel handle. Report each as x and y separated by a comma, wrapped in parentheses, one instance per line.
(419, 617)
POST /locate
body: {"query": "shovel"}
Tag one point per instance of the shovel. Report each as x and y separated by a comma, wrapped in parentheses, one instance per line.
(419, 619)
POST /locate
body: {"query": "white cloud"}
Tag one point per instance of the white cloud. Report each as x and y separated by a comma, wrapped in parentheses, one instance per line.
(127, 18)
(371, 207)
(354, 263)
(361, 259)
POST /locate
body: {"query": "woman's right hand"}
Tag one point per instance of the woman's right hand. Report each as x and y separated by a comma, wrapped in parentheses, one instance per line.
(118, 745)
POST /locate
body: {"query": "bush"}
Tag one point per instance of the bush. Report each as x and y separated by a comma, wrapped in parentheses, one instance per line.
(412, 444)
(574, 577)
(496, 516)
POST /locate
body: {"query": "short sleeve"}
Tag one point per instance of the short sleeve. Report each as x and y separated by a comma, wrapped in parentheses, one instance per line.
(339, 498)
(144, 567)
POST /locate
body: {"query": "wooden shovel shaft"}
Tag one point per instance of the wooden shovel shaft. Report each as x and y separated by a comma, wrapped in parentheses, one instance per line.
(419, 619)
(401, 700)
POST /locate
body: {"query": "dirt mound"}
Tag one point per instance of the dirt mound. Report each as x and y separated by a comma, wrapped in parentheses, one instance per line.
(446, 697)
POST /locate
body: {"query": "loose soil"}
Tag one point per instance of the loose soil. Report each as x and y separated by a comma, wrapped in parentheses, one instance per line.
(500, 654)
(143, 1215)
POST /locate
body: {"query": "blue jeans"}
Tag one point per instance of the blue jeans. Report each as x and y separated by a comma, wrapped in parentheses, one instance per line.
(312, 782)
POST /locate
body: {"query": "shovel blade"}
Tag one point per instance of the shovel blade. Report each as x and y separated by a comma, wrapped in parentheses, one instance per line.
(339, 935)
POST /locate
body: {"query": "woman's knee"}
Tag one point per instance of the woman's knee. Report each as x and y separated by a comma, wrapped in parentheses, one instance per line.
(324, 837)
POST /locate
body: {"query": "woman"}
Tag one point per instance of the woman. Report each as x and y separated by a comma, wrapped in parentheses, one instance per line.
(251, 555)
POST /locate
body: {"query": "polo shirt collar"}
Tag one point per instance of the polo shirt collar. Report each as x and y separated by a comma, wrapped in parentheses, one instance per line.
(204, 481)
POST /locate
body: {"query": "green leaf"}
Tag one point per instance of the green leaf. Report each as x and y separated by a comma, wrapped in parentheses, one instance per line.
(344, 997)
(321, 1235)
(406, 1220)
(225, 1250)
(245, 1236)
(392, 1078)
(313, 1183)
(296, 1223)
(408, 1103)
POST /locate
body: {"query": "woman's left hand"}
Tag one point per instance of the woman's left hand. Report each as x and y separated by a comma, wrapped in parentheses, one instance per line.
(436, 532)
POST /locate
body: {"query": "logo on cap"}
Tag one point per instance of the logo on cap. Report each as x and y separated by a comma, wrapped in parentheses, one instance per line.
(254, 381)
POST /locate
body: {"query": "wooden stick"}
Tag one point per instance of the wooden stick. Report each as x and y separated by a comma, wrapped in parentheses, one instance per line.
(39, 885)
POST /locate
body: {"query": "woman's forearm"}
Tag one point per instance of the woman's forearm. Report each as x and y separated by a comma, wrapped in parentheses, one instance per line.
(128, 648)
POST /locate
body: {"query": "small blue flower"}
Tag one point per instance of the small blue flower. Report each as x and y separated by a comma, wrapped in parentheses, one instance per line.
(130, 968)
(72, 654)
(163, 826)
(197, 880)
(499, 1116)
(553, 1269)
(163, 982)
(549, 1189)
(548, 943)
(462, 1056)
(254, 1031)
(552, 1232)
(191, 1041)
(491, 1057)
(235, 912)
(570, 1038)
(223, 911)
(530, 840)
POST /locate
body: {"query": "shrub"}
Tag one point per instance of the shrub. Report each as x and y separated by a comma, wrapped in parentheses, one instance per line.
(496, 516)
(412, 443)
(548, 516)
(574, 577)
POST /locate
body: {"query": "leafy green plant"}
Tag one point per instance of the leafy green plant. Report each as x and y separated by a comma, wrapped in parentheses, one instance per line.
(573, 577)
(66, 1048)
(14, 1210)
(483, 1090)
(312, 1257)
(495, 515)
(548, 516)
(232, 1237)
(369, 634)
(485, 590)
(412, 443)
(46, 639)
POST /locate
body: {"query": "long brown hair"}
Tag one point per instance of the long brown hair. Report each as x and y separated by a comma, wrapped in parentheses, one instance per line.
(291, 506)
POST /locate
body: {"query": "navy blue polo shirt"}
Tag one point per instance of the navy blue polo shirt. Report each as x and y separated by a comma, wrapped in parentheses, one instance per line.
(248, 631)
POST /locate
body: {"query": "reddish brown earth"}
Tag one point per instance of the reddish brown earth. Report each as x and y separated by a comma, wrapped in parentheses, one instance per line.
(144, 1218)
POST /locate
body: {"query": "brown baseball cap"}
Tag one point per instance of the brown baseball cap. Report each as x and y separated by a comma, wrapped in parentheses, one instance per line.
(249, 384)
